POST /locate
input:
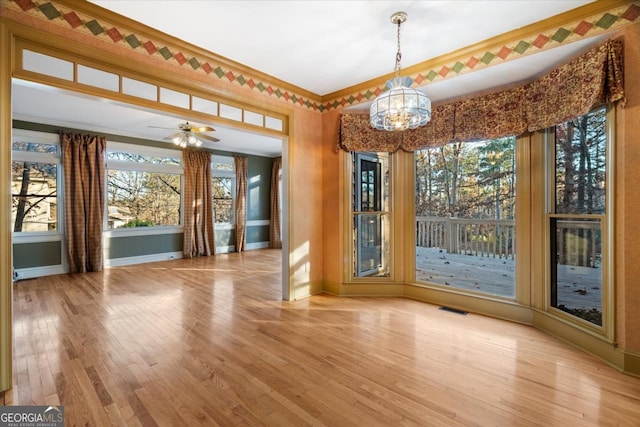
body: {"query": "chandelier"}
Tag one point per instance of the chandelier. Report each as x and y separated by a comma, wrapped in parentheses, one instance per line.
(400, 107)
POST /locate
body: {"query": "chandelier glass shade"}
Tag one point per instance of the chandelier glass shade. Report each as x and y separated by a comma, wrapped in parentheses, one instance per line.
(186, 138)
(400, 107)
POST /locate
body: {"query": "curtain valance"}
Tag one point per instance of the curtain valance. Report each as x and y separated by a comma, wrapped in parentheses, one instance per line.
(568, 91)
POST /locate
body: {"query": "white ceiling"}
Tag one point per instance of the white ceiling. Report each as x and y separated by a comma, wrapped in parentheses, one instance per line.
(327, 45)
(320, 46)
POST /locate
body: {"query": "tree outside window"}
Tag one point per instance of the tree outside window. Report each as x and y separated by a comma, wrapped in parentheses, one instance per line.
(34, 186)
(223, 189)
(142, 190)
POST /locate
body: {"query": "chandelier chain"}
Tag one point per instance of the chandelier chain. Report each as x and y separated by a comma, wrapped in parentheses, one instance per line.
(398, 54)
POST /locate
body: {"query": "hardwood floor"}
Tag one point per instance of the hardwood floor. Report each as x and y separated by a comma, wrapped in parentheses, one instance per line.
(209, 342)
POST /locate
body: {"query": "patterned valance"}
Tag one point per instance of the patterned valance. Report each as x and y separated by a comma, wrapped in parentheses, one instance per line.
(568, 91)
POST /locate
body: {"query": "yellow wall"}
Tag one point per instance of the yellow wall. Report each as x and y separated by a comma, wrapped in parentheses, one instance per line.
(627, 230)
(333, 186)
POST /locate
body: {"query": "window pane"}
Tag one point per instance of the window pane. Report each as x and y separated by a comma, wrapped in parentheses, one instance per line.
(581, 164)
(222, 166)
(372, 243)
(143, 199)
(222, 199)
(142, 158)
(34, 200)
(34, 147)
(371, 217)
(576, 273)
(465, 216)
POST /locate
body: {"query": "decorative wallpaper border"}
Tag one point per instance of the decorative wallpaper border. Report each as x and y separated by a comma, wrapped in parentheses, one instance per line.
(64, 16)
(570, 32)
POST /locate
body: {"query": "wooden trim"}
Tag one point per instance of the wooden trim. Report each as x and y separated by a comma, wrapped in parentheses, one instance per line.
(608, 226)
(6, 281)
(631, 364)
(584, 339)
(486, 305)
(110, 63)
(524, 226)
(367, 289)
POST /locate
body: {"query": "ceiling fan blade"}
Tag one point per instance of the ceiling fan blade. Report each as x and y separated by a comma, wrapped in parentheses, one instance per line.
(160, 127)
(202, 129)
(171, 137)
(208, 138)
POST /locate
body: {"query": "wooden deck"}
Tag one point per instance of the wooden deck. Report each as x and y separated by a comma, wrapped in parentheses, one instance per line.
(579, 286)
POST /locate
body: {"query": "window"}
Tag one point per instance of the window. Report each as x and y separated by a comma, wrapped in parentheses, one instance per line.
(371, 215)
(465, 216)
(143, 186)
(578, 216)
(223, 187)
(34, 182)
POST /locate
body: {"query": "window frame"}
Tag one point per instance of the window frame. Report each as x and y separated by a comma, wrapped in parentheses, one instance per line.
(607, 232)
(22, 156)
(222, 173)
(385, 212)
(480, 149)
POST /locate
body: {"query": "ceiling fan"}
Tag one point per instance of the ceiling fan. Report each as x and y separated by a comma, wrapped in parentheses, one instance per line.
(189, 134)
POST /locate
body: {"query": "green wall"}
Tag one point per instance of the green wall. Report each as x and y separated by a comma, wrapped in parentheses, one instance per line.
(259, 189)
(132, 246)
(42, 254)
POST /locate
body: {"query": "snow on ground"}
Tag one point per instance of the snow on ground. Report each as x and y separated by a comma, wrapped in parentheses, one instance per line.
(578, 287)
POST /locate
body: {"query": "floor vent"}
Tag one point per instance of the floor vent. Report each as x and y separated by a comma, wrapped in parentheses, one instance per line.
(453, 310)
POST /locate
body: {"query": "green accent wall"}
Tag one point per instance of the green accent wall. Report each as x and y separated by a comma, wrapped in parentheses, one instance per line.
(259, 189)
(132, 246)
(259, 233)
(41, 254)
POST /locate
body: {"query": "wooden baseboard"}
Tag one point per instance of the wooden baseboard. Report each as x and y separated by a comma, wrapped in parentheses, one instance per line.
(631, 363)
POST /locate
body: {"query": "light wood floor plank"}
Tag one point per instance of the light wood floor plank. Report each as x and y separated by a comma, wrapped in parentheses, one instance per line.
(209, 342)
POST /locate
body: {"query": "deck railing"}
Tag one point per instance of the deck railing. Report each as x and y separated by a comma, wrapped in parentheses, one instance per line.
(577, 241)
(479, 237)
